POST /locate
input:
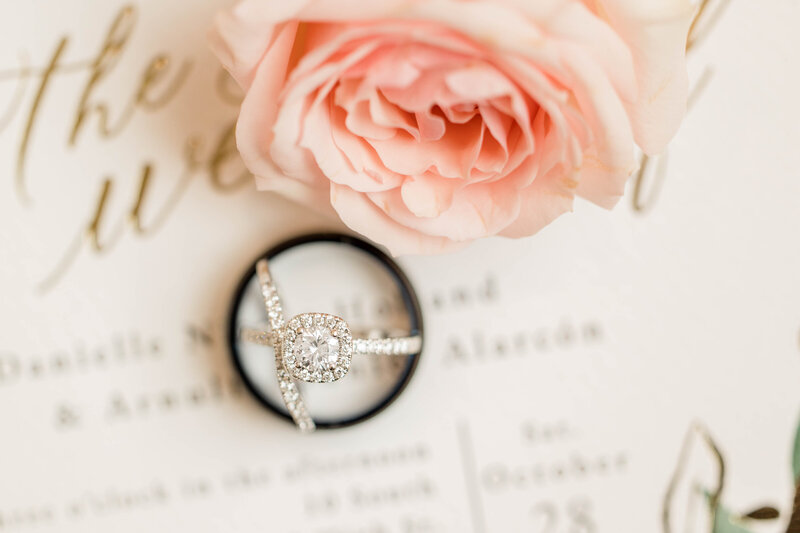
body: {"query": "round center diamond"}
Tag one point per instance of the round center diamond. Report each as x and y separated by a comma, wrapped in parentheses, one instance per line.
(317, 349)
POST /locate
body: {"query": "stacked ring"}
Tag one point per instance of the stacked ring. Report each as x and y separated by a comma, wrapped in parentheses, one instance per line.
(318, 347)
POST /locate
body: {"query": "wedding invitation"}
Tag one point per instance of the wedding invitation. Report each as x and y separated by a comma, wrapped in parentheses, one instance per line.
(632, 371)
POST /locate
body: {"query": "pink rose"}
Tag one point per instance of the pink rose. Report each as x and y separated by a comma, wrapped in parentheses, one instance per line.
(426, 124)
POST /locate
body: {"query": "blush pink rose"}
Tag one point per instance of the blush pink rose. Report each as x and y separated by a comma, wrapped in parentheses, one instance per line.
(426, 124)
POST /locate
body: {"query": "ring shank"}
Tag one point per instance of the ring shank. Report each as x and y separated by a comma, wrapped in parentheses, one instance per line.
(388, 346)
(363, 346)
(413, 336)
(289, 392)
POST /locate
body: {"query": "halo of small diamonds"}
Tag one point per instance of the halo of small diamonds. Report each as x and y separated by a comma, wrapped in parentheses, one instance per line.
(317, 348)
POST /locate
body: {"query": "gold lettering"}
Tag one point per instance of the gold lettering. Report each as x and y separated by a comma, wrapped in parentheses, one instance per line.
(146, 96)
(67, 259)
(656, 174)
(704, 21)
(22, 77)
(31, 120)
(154, 73)
(144, 183)
(653, 169)
(93, 230)
(191, 166)
(226, 152)
(160, 81)
(114, 43)
(227, 89)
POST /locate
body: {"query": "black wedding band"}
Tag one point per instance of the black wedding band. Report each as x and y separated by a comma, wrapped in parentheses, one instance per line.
(410, 302)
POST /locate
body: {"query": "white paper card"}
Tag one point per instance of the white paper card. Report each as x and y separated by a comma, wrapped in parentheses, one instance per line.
(563, 374)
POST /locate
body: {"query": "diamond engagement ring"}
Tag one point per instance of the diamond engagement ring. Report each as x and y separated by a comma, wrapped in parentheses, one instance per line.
(319, 347)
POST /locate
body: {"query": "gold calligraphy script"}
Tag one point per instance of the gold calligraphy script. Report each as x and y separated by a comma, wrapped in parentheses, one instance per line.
(649, 178)
(161, 81)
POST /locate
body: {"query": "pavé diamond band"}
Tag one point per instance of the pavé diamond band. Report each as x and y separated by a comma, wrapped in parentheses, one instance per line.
(313, 347)
(367, 345)
(249, 324)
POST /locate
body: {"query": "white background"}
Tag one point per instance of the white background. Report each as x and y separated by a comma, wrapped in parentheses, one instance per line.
(694, 307)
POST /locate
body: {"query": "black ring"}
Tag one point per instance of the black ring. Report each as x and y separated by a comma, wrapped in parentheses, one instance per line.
(409, 300)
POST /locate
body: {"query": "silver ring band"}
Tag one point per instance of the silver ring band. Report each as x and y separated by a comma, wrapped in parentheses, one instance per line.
(361, 346)
(313, 347)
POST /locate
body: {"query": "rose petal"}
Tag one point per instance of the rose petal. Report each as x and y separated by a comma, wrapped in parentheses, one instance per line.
(242, 39)
(363, 216)
(656, 32)
(607, 165)
(385, 114)
(431, 127)
(365, 172)
(434, 122)
(317, 196)
(296, 102)
(547, 198)
(255, 129)
(428, 196)
(571, 21)
(453, 155)
(359, 121)
(476, 211)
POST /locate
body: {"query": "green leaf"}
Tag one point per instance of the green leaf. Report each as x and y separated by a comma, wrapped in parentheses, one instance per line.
(727, 522)
(796, 456)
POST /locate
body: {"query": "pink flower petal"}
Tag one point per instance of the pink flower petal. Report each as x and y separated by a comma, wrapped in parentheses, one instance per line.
(254, 130)
(367, 172)
(296, 101)
(385, 114)
(428, 196)
(543, 201)
(245, 35)
(431, 127)
(610, 161)
(476, 211)
(429, 123)
(359, 121)
(363, 216)
(656, 32)
(317, 196)
(571, 21)
(453, 155)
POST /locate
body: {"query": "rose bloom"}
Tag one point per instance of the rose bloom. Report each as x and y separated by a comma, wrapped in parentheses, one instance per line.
(426, 124)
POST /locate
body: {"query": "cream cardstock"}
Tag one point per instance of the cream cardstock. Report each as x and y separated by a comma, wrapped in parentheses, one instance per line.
(563, 374)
